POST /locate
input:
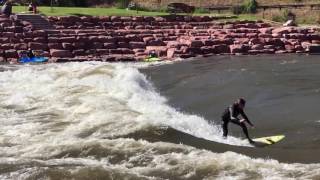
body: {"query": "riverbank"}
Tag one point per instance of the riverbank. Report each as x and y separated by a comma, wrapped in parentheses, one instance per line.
(115, 38)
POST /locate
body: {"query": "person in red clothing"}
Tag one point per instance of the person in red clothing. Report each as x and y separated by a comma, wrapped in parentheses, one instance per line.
(231, 115)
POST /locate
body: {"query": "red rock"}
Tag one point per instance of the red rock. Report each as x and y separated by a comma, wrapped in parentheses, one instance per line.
(160, 50)
(123, 45)
(269, 47)
(11, 53)
(171, 53)
(134, 38)
(110, 45)
(53, 40)
(194, 43)
(55, 46)
(115, 51)
(21, 46)
(6, 46)
(70, 39)
(96, 45)
(39, 33)
(314, 48)
(79, 52)
(305, 45)
(290, 48)
(281, 51)
(103, 51)
(253, 51)
(237, 48)
(265, 36)
(221, 49)
(8, 34)
(275, 42)
(37, 46)
(156, 42)
(138, 18)
(67, 46)
(315, 41)
(147, 39)
(257, 47)
(105, 39)
(4, 40)
(40, 40)
(314, 36)
(252, 35)
(174, 44)
(210, 42)
(2, 59)
(61, 53)
(265, 30)
(137, 45)
(298, 48)
(282, 30)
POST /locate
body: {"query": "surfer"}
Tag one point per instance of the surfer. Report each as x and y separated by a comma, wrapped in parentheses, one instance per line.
(231, 115)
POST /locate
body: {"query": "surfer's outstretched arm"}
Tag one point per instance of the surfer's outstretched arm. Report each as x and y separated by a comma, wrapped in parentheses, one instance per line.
(245, 117)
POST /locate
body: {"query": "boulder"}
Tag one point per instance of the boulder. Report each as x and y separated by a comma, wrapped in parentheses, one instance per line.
(21, 46)
(6, 46)
(61, 53)
(160, 50)
(314, 48)
(221, 49)
(171, 53)
(55, 46)
(37, 46)
(67, 46)
(137, 45)
(238, 48)
(11, 53)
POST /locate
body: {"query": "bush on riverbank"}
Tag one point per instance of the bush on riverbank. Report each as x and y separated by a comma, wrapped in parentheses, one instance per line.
(248, 6)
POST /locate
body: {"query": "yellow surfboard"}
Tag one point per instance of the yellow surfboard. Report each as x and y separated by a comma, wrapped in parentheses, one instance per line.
(269, 140)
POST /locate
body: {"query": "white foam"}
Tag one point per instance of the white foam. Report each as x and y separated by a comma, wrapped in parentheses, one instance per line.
(67, 101)
(52, 111)
(167, 161)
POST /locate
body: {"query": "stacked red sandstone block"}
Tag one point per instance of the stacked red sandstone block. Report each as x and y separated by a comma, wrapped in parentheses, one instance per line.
(131, 38)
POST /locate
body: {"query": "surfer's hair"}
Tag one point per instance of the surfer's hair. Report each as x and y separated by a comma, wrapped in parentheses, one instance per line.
(242, 101)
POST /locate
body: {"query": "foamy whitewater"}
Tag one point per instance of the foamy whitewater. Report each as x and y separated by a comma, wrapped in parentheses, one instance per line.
(75, 121)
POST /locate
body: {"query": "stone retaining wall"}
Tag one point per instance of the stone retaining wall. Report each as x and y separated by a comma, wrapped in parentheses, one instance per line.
(131, 38)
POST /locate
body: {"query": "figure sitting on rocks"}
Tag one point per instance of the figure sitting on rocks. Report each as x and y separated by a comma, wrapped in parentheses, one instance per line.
(32, 7)
(30, 54)
(153, 54)
(7, 8)
(291, 20)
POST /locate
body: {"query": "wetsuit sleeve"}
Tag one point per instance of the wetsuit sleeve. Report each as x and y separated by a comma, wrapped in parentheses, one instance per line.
(245, 117)
(231, 109)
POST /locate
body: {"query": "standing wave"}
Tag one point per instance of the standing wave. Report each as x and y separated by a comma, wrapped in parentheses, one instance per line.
(68, 121)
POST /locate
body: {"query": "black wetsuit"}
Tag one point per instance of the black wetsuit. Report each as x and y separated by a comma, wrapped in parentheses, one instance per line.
(236, 111)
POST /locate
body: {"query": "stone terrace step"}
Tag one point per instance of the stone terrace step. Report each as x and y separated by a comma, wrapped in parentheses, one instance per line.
(38, 22)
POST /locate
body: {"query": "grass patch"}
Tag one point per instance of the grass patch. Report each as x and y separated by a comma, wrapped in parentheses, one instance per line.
(67, 11)
(100, 11)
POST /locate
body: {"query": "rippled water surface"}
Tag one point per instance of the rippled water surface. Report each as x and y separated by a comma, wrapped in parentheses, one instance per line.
(129, 121)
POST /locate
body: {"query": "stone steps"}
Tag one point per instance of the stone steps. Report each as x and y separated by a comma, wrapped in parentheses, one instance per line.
(37, 21)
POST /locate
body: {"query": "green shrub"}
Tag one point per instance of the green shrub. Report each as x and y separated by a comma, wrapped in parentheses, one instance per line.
(202, 11)
(122, 4)
(237, 9)
(248, 6)
(283, 16)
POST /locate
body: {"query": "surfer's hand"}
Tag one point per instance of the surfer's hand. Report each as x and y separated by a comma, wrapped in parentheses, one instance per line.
(252, 127)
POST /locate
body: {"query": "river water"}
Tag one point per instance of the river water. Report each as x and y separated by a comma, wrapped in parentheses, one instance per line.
(94, 120)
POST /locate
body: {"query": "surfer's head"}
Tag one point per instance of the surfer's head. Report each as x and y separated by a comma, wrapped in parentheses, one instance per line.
(241, 102)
